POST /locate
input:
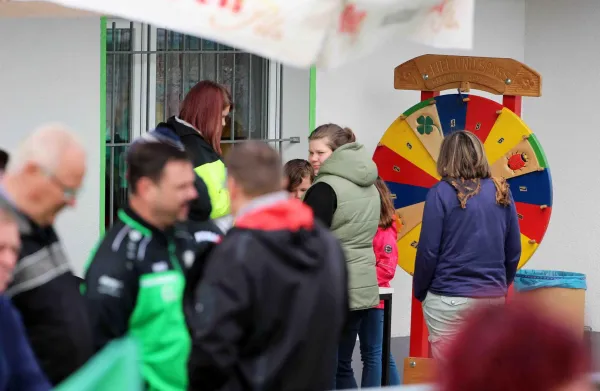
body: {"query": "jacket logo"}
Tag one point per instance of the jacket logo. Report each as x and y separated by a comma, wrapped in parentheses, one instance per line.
(160, 266)
(110, 286)
(168, 293)
(206, 236)
(388, 249)
(188, 258)
(135, 236)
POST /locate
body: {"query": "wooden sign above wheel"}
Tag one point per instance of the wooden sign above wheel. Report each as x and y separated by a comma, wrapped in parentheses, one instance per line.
(500, 76)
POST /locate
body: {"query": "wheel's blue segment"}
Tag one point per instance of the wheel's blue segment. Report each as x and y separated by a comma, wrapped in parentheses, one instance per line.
(452, 111)
(406, 195)
(533, 188)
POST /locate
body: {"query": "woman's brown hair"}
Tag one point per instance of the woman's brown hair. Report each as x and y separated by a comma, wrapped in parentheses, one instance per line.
(296, 170)
(203, 108)
(462, 157)
(336, 135)
(387, 215)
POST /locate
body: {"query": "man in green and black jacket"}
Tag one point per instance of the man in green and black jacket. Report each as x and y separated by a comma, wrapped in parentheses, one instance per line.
(135, 281)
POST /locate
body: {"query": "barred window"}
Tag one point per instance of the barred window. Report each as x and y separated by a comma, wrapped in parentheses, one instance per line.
(148, 73)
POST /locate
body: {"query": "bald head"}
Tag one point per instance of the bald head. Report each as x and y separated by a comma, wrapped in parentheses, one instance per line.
(46, 172)
(47, 146)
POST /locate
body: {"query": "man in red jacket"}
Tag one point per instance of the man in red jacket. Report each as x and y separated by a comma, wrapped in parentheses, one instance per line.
(270, 305)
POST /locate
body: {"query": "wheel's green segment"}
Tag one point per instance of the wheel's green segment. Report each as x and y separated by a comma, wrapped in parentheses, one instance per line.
(418, 106)
(539, 152)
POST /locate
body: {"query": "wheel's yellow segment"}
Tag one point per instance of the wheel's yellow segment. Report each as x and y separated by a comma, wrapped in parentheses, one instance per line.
(432, 141)
(401, 139)
(407, 249)
(508, 131)
(527, 250)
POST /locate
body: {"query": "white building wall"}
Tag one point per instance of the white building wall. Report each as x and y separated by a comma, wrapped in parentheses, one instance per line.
(361, 96)
(561, 42)
(50, 72)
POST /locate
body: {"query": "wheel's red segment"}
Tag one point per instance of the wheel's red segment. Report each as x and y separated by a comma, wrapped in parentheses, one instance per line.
(394, 168)
(481, 116)
(533, 220)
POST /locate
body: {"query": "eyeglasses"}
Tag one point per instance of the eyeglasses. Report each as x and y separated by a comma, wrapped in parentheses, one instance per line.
(69, 193)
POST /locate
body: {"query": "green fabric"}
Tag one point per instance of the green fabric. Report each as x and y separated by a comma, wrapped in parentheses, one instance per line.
(214, 176)
(351, 173)
(127, 220)
(116, 367)
(158, 323)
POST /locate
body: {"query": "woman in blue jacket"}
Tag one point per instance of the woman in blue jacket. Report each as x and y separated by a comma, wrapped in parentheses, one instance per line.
(470, 242)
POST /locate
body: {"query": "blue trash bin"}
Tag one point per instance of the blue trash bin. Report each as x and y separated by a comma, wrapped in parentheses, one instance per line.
(527, 280)
(562, 294)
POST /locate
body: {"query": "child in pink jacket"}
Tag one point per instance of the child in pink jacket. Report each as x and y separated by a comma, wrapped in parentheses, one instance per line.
(371, 328)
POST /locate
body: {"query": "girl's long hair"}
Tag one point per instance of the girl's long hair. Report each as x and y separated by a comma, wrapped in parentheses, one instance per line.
(203, 108)
(387, 214)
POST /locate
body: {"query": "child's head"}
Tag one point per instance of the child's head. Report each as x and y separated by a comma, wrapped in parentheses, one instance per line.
(387, 214)
(300, 176)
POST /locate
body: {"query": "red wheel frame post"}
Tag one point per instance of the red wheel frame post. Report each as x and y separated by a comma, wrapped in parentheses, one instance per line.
(514, 104)
(419, 343)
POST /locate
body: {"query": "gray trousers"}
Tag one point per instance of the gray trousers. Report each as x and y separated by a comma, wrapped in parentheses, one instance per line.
(443, 316)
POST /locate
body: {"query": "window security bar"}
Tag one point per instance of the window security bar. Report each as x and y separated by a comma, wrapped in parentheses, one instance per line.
(291, 140)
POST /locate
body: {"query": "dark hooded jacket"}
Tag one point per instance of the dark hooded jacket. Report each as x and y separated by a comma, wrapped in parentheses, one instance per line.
(46, 294)
(268, 309)
(208, 164)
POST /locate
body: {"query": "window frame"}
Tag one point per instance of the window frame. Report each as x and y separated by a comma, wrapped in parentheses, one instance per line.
(143, 98)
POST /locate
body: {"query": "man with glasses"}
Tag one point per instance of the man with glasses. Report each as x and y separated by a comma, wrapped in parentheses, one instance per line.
(42, 178)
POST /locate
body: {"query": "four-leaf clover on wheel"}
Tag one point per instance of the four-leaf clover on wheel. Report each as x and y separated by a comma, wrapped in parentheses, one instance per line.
(425, 124)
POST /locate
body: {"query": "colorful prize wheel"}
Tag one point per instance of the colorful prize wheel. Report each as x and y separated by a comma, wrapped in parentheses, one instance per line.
(407, 153)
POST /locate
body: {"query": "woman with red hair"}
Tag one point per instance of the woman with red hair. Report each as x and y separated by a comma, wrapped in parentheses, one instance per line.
(515, 347)
(199, 125)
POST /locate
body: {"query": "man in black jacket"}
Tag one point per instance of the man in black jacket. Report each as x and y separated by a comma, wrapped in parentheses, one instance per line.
(43, 177)
(268, 309)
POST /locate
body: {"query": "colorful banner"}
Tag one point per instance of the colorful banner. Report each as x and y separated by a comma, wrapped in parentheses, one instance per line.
(368, 24)
(302, 33)
(449, 25)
